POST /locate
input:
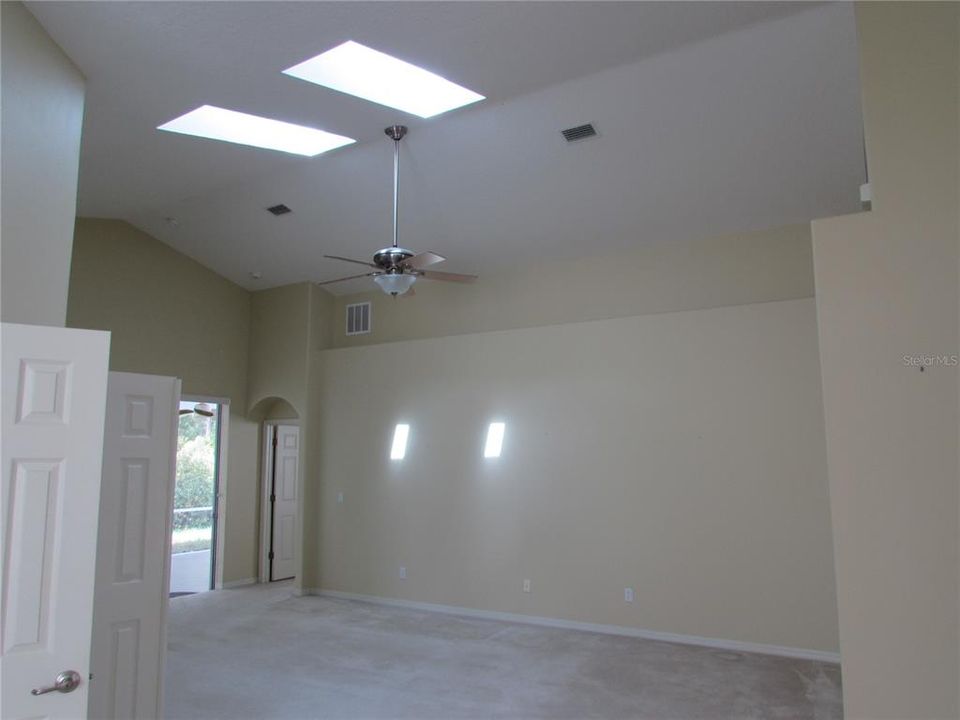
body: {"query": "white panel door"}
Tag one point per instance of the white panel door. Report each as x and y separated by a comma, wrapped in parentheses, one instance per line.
(54, 390)
(285, 492)
(133, 552)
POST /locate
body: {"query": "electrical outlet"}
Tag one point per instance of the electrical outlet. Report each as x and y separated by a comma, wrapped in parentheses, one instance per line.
(628, 594)
(403, 573)
(526, 585)
(340, 498)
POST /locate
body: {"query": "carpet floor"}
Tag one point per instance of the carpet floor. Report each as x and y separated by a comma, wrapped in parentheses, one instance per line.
(260, 652)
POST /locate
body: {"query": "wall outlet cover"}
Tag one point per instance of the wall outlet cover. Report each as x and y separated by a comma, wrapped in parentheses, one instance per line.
(403, 573)
(526, 586)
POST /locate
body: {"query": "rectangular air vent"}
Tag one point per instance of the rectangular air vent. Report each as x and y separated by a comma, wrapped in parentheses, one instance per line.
(358, 318)
(280, 209)
(580, 132)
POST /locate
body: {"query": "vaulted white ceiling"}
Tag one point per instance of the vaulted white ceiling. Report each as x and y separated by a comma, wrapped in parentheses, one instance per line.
(713, 118)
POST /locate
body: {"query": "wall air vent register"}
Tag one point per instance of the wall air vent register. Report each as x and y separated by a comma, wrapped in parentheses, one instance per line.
(358, 318)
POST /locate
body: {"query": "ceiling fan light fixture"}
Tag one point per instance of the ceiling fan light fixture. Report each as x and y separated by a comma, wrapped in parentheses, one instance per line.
(395, 283)
(204, 409)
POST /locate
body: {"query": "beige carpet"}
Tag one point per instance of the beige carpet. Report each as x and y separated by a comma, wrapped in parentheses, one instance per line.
(259, 652)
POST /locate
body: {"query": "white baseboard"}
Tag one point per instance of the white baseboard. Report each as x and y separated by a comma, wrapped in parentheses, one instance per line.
(735, 645)
(237, 583)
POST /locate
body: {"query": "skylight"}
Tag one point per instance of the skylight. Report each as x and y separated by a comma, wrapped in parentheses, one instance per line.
(231, 126)
(372, 75)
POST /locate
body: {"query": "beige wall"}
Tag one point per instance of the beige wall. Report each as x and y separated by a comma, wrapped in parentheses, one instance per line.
(279, 336)
(887, 287)
(42, 115)
(752, 267)
(321, 338)
(681, 454)
(169, 315)
(241, 522)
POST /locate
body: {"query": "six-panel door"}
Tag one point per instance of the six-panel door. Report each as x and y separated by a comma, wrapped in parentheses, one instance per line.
(54, 388)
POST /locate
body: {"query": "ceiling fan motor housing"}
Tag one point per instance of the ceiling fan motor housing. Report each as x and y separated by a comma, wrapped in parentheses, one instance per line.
(389, 258)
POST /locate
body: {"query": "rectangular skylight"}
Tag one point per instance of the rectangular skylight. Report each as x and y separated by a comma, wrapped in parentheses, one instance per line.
(372, 75)
(494, 440)
(231, 126)
(399, 448)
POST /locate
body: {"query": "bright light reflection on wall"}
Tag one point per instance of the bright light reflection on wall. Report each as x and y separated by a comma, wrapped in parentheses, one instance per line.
(399, 447)
(494, 440)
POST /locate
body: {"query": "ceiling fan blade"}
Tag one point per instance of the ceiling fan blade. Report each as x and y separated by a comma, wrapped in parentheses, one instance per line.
(358, 262)
(423, 260)
(343, 279)
(449, 277)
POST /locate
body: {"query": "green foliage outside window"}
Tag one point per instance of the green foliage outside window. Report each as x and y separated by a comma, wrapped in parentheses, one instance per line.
(196, 448)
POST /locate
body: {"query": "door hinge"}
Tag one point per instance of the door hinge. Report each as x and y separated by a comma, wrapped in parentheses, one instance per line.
(274, 442)
(270, 556)
(273, 498)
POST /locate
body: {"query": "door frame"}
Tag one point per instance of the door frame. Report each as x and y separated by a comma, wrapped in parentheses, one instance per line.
(220, 491)
(266, 476)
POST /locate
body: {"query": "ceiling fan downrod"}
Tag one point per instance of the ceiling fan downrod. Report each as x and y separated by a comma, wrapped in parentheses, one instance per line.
(396, 133)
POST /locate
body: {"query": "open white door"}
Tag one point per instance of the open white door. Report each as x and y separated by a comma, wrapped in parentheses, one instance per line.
(54, 389)
(133, 554)
(286, 454)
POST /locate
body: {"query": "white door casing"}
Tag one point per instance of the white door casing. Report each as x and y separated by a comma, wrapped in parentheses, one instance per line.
(220, 501)
(286, 492)
(133, 551)
(54, 383)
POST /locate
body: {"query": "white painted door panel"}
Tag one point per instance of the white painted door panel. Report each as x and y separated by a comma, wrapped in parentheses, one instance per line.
(286, 491)
(133, 552)
(54, 389)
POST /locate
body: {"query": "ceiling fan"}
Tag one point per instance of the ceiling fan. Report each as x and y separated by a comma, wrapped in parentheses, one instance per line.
(202, 409)
(396, 269)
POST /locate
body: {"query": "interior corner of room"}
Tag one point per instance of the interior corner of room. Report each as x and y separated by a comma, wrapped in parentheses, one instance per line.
(733, 427)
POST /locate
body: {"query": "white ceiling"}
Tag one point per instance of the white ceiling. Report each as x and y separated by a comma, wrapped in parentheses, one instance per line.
(713, 118)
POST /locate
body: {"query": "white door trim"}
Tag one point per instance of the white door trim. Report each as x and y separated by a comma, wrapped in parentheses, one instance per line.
(266, 466)
(266, 455)
(222, 481)
(222, 475)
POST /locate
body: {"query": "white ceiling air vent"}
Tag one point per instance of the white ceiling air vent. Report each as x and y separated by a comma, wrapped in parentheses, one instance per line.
(580, 132)
(358, 318)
